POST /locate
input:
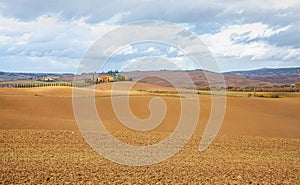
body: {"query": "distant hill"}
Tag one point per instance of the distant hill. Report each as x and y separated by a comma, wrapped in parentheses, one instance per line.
(268, 72)
(266, 77)
(198, 77)
(9, 76)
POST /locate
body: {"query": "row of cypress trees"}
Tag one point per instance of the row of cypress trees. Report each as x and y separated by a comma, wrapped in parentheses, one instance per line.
(30, 85)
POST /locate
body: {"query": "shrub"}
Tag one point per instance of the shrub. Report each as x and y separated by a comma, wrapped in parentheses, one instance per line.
(259, 95)
(274, 96)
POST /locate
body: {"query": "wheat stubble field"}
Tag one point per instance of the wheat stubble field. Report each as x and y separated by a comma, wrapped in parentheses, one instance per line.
(259, 142)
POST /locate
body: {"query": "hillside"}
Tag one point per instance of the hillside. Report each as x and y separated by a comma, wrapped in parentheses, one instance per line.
(266, 77)
(8, 76)
(41, 143)
(268, 72)
(231, 79)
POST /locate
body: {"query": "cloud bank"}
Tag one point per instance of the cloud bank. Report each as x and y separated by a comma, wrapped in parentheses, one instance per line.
(52, 36)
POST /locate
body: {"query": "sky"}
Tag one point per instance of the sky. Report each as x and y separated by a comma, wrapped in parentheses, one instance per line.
(54, 35)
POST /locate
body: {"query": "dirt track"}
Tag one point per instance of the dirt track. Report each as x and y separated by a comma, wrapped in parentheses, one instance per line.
(40, 142)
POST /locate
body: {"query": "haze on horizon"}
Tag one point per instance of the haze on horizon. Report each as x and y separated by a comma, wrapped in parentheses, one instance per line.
(52, 36)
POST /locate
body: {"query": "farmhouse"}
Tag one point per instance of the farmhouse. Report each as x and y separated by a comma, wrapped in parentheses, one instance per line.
(47, 79)
(102, 79)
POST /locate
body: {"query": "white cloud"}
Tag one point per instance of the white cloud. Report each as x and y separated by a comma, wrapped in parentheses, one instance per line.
(159, 62)
(248, 41)
(152, 50)
(62, 31)
(279, 4)
(172, 50)
(49, 38)
(127, 50)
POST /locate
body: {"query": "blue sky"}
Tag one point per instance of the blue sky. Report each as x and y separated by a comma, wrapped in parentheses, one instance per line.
(52, 36)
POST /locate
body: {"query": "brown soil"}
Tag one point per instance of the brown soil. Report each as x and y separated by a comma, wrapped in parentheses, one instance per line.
(40, 143)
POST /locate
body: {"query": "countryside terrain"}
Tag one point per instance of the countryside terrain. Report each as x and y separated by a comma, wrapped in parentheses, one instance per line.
(258, 142)
(145, 92)
(266, 77)
(40, 142)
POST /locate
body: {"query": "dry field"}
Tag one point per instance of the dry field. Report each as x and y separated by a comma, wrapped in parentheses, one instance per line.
(40, 143)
